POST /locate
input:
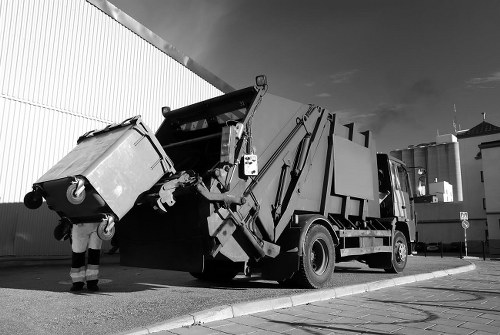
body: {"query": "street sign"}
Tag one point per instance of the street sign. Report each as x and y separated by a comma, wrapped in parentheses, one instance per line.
(465, 224)
(464, 216)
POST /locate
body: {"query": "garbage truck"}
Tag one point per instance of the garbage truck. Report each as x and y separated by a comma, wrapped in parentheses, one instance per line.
(246, 182)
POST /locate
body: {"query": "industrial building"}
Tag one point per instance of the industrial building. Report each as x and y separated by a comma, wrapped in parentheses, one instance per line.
(469, 162)
(490, 157)
(67, 67)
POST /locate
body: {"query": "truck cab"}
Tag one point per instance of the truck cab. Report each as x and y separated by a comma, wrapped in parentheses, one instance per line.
(395, 194)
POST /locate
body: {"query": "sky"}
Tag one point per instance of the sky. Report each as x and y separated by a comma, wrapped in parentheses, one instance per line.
(394, 67)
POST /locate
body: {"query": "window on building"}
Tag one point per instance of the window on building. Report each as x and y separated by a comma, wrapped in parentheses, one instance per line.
(482, 177)
(484, 203)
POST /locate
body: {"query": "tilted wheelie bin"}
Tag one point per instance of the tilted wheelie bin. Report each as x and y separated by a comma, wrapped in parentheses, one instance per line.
(102, 177)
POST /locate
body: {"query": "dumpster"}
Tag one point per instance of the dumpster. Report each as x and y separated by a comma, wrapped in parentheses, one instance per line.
(102, 177)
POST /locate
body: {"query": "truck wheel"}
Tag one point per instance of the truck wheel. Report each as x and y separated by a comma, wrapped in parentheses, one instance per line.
(318, 259)
(399, 253)
(218, 271)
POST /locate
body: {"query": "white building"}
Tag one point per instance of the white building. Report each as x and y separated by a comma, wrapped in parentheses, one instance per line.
(490, 157)
(66, 67)
(458, 161)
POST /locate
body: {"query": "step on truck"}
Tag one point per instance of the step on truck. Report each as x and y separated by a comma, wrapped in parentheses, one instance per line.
(246, 182)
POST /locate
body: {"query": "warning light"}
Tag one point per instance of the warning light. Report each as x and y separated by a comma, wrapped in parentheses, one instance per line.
(261, 81)
(165, 110)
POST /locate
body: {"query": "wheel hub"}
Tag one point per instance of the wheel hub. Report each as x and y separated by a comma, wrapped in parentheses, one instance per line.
(319, 257)
(401, 253)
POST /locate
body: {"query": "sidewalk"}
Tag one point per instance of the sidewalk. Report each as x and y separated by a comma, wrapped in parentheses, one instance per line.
(463, 301)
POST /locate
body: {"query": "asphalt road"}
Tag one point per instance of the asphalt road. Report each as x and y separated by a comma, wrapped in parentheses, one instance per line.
(36, 300)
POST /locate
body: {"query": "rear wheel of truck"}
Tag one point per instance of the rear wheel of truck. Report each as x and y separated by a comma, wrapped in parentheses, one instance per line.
(318, 259)
(218, 271)
(399, 253)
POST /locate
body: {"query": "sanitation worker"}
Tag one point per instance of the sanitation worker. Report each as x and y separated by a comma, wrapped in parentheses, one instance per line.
(84, 238)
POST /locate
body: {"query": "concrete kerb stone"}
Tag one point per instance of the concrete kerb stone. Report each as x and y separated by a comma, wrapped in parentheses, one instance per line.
(135, 331)
(404, 280)
(313, 296)
(440, 273)
(251, 307)
(213, 314)
(378, 285)
(460, 269)
(350, 290)
(182, 321)
(424, 276)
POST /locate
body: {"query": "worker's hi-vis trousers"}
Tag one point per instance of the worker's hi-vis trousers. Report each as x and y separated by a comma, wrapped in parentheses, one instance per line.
(83, 236)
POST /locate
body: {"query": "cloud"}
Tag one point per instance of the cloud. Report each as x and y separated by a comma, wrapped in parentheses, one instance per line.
(343, 77)
(323, 95)
(383, 116)
(311, 84)
(480, 82)
(363, 116)
(420, 89)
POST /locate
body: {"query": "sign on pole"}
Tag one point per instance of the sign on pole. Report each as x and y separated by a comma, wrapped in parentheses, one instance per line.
(465, 224)
(464, 216)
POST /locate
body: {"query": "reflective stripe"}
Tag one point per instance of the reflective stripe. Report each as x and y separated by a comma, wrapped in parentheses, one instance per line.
(77, 274)
(92, 272)
(92, 275)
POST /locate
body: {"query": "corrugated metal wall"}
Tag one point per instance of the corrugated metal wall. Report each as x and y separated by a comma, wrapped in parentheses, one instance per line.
(67, 67)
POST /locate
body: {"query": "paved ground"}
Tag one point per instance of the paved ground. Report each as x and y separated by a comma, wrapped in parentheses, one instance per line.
(465, 303)
(35, 298)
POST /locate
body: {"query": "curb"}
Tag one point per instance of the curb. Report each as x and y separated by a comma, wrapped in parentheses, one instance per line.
(244, 308)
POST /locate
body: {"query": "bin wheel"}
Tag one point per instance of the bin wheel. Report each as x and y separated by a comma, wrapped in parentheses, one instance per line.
(72, 198)
(101, 231)
(318, 259)
(33, 200)
(399, 253)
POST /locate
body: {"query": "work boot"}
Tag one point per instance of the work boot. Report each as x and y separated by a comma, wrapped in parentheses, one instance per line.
(92, 285)
(77, 286)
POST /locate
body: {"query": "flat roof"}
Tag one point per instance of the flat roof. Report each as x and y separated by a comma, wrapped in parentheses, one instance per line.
(146, 34)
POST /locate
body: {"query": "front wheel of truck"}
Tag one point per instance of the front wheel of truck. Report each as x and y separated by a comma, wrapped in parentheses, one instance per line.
(399, 253)
(318, 259)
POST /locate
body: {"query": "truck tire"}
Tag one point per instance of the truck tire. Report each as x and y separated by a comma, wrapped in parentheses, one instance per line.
(218, 271)
(318, 259)
(399, 253)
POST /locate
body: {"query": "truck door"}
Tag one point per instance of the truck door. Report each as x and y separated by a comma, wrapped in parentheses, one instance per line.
(403, 207)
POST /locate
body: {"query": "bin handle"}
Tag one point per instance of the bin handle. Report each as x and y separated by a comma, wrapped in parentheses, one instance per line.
(130, 120)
